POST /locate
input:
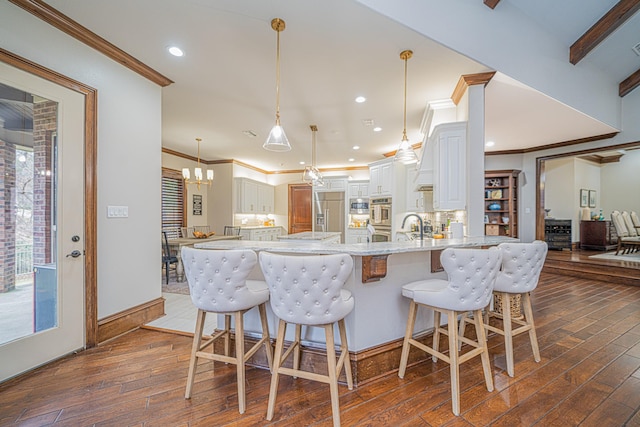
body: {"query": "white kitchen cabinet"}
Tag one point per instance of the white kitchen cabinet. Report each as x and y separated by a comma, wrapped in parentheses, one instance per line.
(417, 201)
(332, 184)
(253, 197)
(358, 189)
(356, 236)
(381, 178)
(261, 233)
(450, 171)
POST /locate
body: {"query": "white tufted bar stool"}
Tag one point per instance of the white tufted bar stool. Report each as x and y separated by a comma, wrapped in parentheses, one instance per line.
(472, 274)
(218, 284)
(521, 267)
(307, 290)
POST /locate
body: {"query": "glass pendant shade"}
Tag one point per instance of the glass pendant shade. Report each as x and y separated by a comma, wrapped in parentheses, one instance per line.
(405, 153)
(277, 140)
(311, 174)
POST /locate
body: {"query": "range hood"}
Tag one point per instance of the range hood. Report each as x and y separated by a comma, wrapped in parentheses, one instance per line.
(424, 168)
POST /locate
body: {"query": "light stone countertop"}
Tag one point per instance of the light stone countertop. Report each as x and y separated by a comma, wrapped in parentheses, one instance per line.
(310, 235)
(257, 227)
(356, 249)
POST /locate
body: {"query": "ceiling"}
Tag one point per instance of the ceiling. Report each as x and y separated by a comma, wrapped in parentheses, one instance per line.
(331, 52)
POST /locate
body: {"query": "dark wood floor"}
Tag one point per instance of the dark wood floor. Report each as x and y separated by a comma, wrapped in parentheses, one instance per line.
(589, 335)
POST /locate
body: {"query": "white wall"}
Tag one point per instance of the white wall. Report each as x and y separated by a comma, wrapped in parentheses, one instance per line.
(129, 144)
(620, 184)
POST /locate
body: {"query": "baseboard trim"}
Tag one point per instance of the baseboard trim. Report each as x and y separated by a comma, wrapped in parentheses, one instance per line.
(132, 318)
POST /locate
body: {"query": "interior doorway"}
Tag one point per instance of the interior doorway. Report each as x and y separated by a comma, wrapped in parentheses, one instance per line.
(299, 208)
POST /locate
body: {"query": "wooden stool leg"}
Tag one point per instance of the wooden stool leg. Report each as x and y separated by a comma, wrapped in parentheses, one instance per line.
(227, 335)
(508, 334)
(277, 360)
(436, 333)
(344, 349)
(193, 361)
(239, 320)
(296, 350)
(463, 325)
(482, 342)
(404, 357)
(454, 366)
(528, 313)
(333, 380)
(265, 335)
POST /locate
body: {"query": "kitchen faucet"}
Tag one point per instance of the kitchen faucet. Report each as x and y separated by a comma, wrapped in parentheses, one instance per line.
(421, 224)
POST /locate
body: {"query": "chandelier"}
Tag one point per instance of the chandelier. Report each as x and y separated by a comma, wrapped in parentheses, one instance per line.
(197, 172)
(405, 153)
(311, 174)
(277, 140)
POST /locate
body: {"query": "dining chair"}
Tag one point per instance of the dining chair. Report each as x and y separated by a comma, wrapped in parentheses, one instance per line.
(471, 276)
(218, 284)
(167, 258)
(230, 230)
(308, 290)
(626, 243)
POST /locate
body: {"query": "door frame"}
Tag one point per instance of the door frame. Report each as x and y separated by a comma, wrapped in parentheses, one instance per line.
(90, 182)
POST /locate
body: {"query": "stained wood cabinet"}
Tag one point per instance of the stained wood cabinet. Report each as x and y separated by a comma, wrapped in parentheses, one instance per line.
(598, 235)
(501, 203)
(557, 233)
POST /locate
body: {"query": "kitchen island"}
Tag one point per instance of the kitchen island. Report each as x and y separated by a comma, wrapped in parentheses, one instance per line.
(376, 326)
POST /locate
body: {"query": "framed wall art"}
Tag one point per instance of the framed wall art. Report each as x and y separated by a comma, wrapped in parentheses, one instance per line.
(592, 198)
(584, 198)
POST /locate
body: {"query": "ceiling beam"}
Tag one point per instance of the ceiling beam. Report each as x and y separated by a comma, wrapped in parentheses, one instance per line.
(611, 20)
(491, 3)
(629, 84)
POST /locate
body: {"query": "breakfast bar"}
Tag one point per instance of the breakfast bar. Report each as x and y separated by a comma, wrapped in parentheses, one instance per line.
(376, 326)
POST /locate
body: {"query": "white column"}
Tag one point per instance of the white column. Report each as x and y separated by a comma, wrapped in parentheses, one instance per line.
(475, 161)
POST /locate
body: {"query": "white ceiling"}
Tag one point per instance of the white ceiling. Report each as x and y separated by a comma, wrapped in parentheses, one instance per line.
(331, 52)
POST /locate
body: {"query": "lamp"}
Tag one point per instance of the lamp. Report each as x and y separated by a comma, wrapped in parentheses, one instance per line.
(277, 140)
(197, 172)
(405, 153)
(311, 174)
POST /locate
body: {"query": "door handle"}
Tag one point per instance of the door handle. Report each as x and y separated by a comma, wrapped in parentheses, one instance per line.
(74, 254)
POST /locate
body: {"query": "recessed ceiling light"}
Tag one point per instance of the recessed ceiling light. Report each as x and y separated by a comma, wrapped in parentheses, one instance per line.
(377, 129)
(360, 99)
(352, 160)
(489, 144)
(302, 163)
(356, 147)
(175, 51)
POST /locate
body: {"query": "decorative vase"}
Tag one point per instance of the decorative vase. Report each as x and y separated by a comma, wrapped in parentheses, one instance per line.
(494, 206)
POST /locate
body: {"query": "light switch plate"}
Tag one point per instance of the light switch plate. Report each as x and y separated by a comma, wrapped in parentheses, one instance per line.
(117, 211)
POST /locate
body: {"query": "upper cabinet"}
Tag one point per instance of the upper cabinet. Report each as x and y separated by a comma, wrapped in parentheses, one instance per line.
(358, 189)
(254, 197)
(332, 184)
(381, 178)
(449, 166)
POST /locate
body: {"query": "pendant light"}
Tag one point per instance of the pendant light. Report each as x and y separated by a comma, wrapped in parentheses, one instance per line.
(405, 153)
(277, 140)
(311, 174)
(197, 172)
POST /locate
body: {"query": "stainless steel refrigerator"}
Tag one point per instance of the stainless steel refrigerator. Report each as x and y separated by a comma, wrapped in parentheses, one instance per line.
(330, 212)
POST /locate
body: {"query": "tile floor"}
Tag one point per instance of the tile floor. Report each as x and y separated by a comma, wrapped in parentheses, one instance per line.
(181, 315)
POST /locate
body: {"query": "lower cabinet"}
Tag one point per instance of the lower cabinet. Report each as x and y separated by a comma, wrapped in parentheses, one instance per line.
(356, 236)
(599, 235)
(262, 234)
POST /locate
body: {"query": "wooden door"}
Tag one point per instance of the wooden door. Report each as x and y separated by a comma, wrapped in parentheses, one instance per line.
(299, 208)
